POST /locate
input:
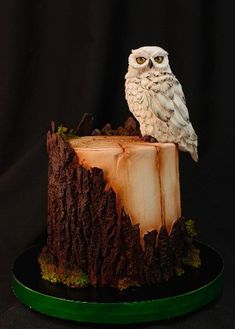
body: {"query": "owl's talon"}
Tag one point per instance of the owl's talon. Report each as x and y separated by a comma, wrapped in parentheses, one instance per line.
(150, 139)
(153, 140)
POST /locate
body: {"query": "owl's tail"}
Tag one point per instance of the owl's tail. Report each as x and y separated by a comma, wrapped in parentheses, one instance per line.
(191, 148)
(194, 154)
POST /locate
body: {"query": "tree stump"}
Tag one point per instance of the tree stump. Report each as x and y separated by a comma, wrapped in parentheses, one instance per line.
(114, 215)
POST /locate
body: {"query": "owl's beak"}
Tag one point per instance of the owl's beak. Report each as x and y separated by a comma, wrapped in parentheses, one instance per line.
(150, 64)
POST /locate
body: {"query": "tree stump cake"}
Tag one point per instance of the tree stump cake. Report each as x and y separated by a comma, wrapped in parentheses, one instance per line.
(114, 214)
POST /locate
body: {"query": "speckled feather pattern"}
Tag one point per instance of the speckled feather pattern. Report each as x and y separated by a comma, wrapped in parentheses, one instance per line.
(156, 99)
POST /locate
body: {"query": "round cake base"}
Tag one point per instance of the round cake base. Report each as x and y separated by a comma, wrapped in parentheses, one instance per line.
(181, 295)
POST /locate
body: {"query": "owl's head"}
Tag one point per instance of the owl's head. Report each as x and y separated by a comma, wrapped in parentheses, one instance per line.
(148, 58)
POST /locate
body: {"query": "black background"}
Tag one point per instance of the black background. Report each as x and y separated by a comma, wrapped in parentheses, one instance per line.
(59, 59)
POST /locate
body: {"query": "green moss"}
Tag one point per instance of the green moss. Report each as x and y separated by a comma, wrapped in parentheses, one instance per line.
(62, 130)
(74, 278)
(179, 271)
(192, 258)
(190, 228)
(125, 283)
(66, 133)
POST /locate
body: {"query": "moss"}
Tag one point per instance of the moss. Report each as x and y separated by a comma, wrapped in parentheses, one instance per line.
(129, 128)
(66, 133)
(179, 271)
(192, 257)
(49, 272)
(190, 228)
(74, 278)
(125, 283)
(62, 130)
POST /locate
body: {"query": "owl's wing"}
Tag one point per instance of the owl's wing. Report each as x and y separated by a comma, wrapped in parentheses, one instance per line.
(160, 104)
(167, 102)
(181, 112)
(179, 100)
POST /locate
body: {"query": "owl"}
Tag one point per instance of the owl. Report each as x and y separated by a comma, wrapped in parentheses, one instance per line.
(156, 99)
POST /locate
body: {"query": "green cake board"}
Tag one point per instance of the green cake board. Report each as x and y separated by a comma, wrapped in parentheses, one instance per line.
(177, 297)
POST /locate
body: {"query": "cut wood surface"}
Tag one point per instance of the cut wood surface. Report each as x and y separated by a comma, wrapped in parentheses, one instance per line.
(144, 176)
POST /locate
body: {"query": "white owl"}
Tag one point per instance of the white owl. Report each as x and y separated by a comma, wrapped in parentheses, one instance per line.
(156, 99)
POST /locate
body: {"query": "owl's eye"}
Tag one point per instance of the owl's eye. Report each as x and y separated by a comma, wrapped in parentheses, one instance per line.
(140, 60)
(159, 59)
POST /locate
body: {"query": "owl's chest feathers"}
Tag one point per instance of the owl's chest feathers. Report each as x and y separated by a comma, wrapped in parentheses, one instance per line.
(148, 84)
(140, 90)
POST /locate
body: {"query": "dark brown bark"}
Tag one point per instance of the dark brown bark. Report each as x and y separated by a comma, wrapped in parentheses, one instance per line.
(85, 231)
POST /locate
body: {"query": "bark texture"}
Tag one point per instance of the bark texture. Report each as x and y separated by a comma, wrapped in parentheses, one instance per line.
(85, 232)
